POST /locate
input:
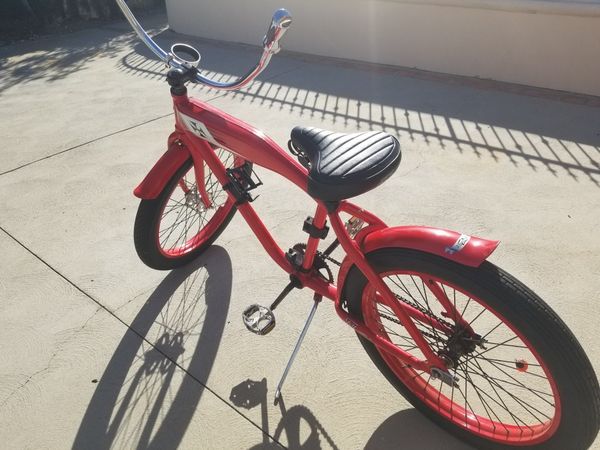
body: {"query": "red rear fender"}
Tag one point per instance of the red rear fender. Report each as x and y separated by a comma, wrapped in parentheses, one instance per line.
(461, 248)
(464, 249)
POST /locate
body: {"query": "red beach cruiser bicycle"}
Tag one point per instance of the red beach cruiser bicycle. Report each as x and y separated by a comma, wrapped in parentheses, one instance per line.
(466, 343)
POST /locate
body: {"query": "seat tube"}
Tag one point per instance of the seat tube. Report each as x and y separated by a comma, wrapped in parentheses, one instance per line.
(313, 242)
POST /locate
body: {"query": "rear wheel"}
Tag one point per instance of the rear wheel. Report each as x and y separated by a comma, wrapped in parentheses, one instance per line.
(521, 378)
(178, 226)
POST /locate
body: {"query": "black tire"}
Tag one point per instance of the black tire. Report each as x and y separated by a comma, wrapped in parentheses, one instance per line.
(148, 221)
(565, 360)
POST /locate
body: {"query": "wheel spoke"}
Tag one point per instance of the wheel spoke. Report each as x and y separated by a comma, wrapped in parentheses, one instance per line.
(505, 345)
(173, 227)
(520, 384)
(496, 346)
(508, 361)
(497, 364)
(184, 216)
(530, 389)
(477, 316)
(404, 289)
(500, 403)
(426, 384)
(462, 314)
(488, 399)
(492, 330)
(424, 296)
(483, 402)
(522, 402)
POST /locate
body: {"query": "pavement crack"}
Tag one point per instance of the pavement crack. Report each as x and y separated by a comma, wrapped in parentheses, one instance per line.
(59, 348)
(82, 327)
(134, 298)
(83, 144)
(28, 380)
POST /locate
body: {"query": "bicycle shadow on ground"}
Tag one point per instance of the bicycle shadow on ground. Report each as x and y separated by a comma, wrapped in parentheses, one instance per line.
(144, 399)
(299, 428)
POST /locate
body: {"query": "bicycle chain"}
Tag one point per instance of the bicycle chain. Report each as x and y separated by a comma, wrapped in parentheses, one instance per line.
(328, 258)
(426, 312)
(419, 308)
(319, 254)
(424, 333)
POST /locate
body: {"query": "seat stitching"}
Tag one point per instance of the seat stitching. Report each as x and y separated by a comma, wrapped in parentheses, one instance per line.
(346, 151)
(357, 153)
(314, 133)
(354, 164)
(342, 153)
(326, 154)
(318, 144)
(341, 136)
(364, 159)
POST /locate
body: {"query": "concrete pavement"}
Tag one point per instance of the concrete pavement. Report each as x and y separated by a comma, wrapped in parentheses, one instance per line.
(100, 351)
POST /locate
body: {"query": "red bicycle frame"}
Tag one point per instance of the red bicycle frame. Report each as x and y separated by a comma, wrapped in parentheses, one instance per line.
(200, 128)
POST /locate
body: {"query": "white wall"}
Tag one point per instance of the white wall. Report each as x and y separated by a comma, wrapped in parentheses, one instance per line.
(553, 44)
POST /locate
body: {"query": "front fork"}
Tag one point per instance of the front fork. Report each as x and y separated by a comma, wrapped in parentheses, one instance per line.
(200, 182)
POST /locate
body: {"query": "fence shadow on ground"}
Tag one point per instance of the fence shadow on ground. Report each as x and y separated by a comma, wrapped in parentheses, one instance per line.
(151, 387)
(537, 133)
(442, 112)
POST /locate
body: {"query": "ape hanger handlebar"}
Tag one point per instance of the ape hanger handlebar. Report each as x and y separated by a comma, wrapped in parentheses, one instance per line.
(280, 22)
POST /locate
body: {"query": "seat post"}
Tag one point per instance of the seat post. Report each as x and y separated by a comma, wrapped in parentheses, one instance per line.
(318, 223)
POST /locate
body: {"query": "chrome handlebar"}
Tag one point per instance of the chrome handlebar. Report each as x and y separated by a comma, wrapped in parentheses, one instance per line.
(279, 25)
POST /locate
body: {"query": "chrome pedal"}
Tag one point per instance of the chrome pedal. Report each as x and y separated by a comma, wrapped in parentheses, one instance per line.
(259, 319)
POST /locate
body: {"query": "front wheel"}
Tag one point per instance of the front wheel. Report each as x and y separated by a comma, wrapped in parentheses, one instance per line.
(179, 225)
(521, 379)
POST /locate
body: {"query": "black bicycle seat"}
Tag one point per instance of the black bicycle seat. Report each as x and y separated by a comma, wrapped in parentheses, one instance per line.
(346, 165)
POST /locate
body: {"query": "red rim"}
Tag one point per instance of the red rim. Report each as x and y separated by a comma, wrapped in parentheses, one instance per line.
(505, 391)
(185, 222)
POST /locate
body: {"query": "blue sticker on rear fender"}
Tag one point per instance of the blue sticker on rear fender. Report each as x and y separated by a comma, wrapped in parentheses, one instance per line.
(460, 243)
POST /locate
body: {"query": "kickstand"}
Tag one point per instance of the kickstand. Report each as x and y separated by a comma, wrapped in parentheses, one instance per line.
(317, 299)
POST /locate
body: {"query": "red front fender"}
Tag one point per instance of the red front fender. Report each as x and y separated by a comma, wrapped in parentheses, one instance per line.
(463, 249)
(158, 177)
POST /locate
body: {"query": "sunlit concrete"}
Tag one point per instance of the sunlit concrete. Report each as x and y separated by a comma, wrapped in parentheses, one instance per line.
(78, 306)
